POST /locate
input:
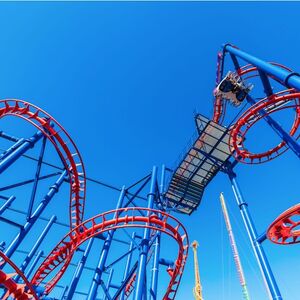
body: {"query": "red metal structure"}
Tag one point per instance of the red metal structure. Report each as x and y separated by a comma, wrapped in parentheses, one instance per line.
(285, 228)
(210, 151)
(63, 252)
(56, 263)
(277, 89)
(64, 146)
(18, 291)
(282, 100)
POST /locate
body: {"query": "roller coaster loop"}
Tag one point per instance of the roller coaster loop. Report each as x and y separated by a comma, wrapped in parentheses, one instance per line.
(246, 72)
(285, 229)
(279, 101)
(63, 144)
(156, 220)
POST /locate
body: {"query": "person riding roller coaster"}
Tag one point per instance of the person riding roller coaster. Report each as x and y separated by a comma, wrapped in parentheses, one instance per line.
(233, 88)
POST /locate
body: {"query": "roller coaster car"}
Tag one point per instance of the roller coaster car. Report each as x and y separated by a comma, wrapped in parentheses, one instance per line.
(233, 88)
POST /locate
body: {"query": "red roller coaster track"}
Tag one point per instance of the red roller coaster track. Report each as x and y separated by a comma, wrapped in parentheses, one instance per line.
(63, 144)
(218, 102)
(14, 289)
(249, 70)
(285, 229)
(61, 255)
(279, 101)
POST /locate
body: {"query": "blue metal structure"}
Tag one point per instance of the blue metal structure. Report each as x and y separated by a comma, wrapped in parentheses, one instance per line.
(289, 79)
(135, 259)
(104, 253)
(126, 275)
(144, 248)
(255, 239)
(190, 178)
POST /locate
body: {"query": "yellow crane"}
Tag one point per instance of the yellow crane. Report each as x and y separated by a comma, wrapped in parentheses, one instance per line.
(197, 290)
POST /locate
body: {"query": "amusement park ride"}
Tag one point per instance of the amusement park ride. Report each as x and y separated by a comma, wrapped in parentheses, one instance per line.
(217, 147)
(198, 288)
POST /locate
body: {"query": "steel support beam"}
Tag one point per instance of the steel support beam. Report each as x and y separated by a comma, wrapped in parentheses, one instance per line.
(124, 283)
(104, 253)
(166, 262)
(37, 213)
(8, 137)
(11, 149)
(144, 246)
(37, 244)
(17, 152)
(260, 255)
(78, 271)
(34, 263)
(63, 294)
(7, 204)
(109, 279)
(155, 265)
(36, 178)
(128, 263)
(290, 79)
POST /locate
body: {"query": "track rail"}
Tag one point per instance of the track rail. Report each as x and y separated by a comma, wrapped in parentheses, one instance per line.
(18, 291)
(218, 101)
(246, 72)
(282, 100)
(64, 146)
(62, 254)
(285, 228)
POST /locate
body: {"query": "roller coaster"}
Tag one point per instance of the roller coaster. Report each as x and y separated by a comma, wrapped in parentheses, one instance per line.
(218, 146)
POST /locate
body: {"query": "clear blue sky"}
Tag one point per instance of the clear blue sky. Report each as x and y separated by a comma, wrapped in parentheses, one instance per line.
(124, 79)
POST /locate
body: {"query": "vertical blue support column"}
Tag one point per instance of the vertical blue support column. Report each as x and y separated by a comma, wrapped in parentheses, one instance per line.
(34, 263)
(63, 294)
(128, 262)
(36, 178)
(111, 273)
(7, 204)
(263, 263)
(28, 225)
(33, 250)
(155, 266)
(162, 181)
(144, 246)
(104, 253)
(19, 151)
(79, 270)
